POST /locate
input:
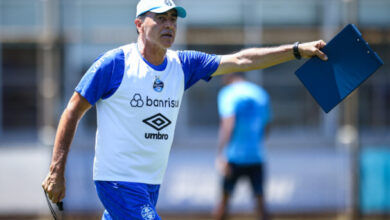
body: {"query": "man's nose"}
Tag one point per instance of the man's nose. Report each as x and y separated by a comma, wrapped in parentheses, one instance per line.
(170, 24)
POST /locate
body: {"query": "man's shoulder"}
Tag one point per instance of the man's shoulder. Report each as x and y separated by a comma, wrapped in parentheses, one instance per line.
(118, 51)
(189, 54)
(226, 91)
(113, 55)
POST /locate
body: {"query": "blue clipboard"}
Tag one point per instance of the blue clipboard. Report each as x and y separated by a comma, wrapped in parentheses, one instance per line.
(350, 62)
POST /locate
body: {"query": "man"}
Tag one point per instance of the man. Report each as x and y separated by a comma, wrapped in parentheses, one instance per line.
(244, 109)
(137, 89)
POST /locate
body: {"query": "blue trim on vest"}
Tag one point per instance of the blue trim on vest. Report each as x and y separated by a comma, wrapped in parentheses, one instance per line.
(160, 67)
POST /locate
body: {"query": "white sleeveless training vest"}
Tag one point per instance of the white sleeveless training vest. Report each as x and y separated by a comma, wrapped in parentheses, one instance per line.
(135, 126)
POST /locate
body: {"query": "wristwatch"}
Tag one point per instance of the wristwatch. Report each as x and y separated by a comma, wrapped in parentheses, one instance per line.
(297, 55)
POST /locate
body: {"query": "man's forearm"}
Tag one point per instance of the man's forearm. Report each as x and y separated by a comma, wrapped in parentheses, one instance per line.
(54, 183)
(65, 133)
(221, 144)
(225, 132)
(255, 58)
(260, 58)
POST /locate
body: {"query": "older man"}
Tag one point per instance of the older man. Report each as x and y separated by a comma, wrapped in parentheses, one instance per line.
(137, 89)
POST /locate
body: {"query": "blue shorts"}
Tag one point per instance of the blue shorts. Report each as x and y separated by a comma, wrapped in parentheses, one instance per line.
(253, 171)
(126, 200)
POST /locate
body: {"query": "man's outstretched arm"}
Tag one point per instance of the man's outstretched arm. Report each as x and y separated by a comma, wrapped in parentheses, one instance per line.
(54, 183)
(260, 58)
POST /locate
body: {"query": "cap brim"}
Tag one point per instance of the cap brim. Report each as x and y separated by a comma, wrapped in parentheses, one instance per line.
(181, 12)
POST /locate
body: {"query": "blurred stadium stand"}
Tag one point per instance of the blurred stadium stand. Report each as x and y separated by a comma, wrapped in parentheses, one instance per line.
(47, 45)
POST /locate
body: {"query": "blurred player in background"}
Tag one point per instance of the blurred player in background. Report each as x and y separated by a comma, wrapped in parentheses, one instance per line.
(137, 89)
(245, 113)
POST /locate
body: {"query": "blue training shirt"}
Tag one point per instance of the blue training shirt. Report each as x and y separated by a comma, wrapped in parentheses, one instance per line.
(105, 75)
(250, 104)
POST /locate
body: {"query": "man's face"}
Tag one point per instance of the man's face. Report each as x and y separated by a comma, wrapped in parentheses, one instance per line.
(160, 29)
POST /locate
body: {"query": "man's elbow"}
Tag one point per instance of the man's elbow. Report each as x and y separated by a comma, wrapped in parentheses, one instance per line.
(73, 112)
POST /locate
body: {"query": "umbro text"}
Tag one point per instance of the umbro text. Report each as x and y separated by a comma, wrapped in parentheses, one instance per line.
(156, 136)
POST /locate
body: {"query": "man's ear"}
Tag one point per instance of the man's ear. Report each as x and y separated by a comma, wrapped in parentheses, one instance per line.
(138, 24)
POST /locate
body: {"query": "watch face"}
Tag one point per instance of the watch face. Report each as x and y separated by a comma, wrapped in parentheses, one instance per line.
(158, 85)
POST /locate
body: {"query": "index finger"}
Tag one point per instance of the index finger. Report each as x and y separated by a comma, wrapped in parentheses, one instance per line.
(321, 55)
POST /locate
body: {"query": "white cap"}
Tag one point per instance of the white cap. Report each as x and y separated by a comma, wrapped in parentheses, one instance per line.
(159, 6)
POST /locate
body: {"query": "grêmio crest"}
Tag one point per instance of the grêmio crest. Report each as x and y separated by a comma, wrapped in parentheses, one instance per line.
(158, 85)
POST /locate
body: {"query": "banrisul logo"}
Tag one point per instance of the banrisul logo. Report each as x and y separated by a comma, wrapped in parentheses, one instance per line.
(158, 122)
(137, 101)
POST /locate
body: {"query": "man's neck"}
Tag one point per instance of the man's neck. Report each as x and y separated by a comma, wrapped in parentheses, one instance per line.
(151, 52)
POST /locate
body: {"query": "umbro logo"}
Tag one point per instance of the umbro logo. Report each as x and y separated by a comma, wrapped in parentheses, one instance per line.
(157, 121)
